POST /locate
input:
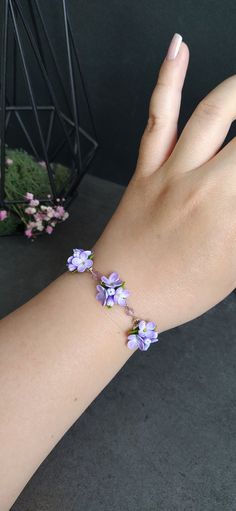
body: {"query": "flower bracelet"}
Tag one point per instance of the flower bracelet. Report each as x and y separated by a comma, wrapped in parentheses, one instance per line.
(111, 291)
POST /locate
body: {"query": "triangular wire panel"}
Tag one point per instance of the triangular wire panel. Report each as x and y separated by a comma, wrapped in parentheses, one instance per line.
(37, 81)
(20, 129)
(46, 104)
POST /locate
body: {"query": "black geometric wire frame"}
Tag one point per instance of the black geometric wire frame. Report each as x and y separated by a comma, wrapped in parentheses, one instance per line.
(69, 124)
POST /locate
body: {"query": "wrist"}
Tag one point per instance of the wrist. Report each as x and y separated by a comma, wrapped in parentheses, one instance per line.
(101, 323)
(107, 260)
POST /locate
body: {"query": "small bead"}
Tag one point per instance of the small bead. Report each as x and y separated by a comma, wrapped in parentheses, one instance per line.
(95, 274)
(129, 310)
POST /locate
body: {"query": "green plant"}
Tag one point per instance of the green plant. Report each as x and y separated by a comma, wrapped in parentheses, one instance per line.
(24, 174)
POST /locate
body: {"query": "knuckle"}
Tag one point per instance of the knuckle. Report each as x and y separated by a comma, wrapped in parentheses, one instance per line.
(209, 109)
(156, 122)
(163, 83)
(168, 86)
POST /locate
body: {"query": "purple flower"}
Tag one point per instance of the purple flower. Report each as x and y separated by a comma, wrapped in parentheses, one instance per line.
(121, 295)
(143, 335)
(101, 296)
(80, 260)
(105, 296)
(112, 281)
(147, 329)
(136, 341)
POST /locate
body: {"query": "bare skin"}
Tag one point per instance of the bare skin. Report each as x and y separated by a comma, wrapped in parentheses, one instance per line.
(174, 228)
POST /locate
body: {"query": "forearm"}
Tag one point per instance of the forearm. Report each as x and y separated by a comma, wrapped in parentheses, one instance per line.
(57, 352)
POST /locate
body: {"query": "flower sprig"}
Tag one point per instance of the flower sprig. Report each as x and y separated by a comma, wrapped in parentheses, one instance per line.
(41, 217)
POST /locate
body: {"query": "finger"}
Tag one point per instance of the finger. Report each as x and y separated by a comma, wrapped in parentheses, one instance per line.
(160, 134)
(224, 164)
(207, 128)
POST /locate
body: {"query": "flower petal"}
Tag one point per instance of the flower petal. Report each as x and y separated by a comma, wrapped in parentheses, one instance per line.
(89, 263)
(144, 344)
(76, 260)
(154, 339)
(132, 344)
(141, 324)
(81, 267)
(83, 256)
(105, 280)
(113, 276)
(150, 325)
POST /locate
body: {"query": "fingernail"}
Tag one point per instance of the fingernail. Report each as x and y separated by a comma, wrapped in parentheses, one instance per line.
(174, 47)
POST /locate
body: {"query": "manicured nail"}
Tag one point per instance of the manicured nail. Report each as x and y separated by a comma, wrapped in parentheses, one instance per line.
(174, 47)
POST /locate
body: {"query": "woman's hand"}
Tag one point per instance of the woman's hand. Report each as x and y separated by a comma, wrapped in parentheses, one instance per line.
(173, 236)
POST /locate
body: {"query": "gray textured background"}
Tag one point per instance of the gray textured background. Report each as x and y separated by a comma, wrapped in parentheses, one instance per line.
(161, 436)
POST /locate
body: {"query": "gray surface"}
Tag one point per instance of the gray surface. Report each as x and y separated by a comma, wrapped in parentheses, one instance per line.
(162, 435)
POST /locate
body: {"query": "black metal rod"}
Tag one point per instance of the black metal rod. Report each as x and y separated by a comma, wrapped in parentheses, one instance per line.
(3, 100)
(60, 146)
(36, 31)
(14, 110)
(53, 56)
(52, 116)
(14, 74)
(27, 107)
(72, 130)
(72, 84)
(28, 138)
(32, 99)
(49, 85)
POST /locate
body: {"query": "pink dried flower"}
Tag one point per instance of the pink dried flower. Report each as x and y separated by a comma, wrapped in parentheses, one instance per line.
(42, 163)
(3, 214)
(30, 225)
(50, 212)
(28, 233)
(49, 229)
(39, 215)
(9, 161)
(29, 196)
(59, 211)
(65, 216)
(39, 226)
(34, 202)
(30, 211)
